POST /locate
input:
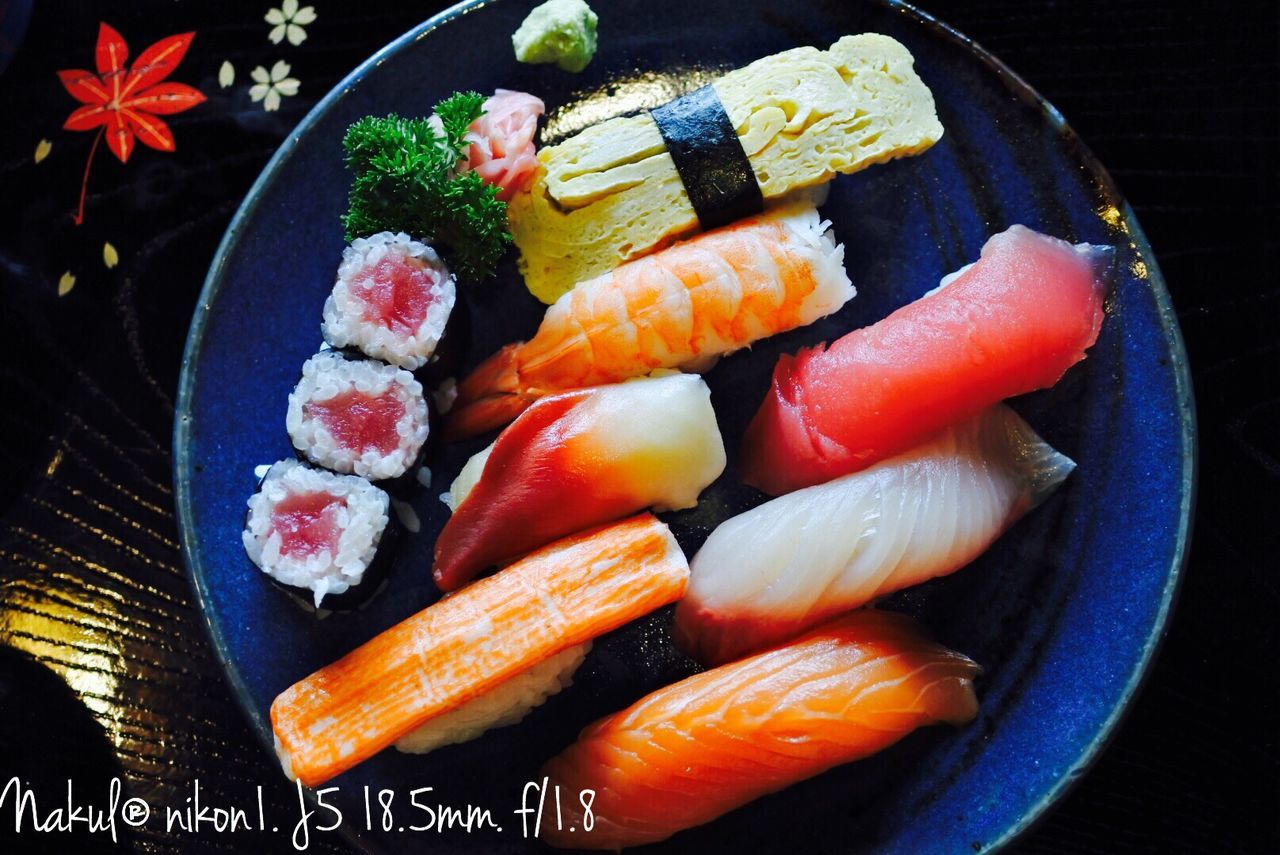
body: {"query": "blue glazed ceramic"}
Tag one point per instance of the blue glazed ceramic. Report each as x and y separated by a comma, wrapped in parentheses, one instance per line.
(1064, 612)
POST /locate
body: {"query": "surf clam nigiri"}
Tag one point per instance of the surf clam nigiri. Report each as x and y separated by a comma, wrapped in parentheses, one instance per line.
(1012, 322)
(578, 459)
(710, 295)
(462, 664)
(790, 563)
(695, 750)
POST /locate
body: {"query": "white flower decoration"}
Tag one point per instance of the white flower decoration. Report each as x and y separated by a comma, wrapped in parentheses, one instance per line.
(271, 86)
(289, 21)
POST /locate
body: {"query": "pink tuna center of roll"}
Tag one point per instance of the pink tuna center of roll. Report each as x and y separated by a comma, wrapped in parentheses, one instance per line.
(360, 421)
(397, 292)
(307, 523)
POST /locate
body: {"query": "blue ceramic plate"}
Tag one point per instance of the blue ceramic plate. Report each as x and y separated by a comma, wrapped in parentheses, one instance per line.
(1064, 612)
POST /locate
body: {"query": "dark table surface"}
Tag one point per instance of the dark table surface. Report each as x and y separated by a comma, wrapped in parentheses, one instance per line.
(105, 669)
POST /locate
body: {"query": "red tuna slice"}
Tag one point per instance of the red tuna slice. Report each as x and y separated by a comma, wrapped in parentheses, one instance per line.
(360, 421)
(307, 523)
(1012, 322)
(397, 292)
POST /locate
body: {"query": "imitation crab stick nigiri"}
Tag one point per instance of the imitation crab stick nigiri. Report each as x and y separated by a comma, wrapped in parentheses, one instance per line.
(1012, 322)
(466, 648)
(786, 565)
(578, 459)
(697, 749)
(710, 295)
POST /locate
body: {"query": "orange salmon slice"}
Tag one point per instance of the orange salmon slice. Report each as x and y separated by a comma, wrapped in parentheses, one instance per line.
(697, 749)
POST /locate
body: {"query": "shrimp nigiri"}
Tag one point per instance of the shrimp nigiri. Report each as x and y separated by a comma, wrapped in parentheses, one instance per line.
(708, 296)
(695, 750)
(463, 663)
(578, 459)
(1012, 322)
(786, 565)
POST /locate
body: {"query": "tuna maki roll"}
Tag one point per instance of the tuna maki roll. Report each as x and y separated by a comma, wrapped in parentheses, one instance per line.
(318, 534)
(392, 300)
(358, 416)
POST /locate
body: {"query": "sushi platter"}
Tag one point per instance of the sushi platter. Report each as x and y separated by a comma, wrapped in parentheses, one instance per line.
(728, 425)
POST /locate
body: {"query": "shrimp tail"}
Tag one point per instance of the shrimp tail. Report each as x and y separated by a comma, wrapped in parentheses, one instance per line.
(490, 396)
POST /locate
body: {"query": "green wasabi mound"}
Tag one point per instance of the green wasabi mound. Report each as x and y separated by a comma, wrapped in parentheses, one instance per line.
(559, 31)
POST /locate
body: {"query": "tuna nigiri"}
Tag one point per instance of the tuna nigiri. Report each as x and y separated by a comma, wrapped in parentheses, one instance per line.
(577, 459)
(693, 751)
(1012, 322)
(453, 656)
(710, 295)
(786, 565)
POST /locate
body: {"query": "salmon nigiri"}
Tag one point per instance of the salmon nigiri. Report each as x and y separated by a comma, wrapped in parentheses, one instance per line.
(786, 565)
(695, 750)
(578, 459)
(1012, 322)
(464, 663)
(713, 294)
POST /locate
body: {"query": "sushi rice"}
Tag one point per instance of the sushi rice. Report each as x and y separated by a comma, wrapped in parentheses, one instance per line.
(361, 518)
(346, 311)
(327, 375)
(814, 240)
(502, 705)
(481, 656)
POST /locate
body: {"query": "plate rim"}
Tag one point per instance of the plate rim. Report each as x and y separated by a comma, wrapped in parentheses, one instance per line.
(182, 459)
(1172, 334)
(1188, 434)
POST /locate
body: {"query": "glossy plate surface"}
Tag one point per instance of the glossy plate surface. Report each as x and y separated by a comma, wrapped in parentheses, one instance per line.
(1063, 613)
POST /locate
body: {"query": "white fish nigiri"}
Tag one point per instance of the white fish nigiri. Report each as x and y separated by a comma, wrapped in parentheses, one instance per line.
(780, 568)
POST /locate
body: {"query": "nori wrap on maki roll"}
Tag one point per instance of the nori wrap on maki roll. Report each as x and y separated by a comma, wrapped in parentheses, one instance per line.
(327, 540)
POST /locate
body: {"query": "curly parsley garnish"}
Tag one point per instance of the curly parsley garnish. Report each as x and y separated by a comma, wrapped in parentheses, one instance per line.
(405, 181)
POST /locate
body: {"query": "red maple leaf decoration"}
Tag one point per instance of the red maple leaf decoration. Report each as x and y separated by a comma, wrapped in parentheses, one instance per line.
(126, 104)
